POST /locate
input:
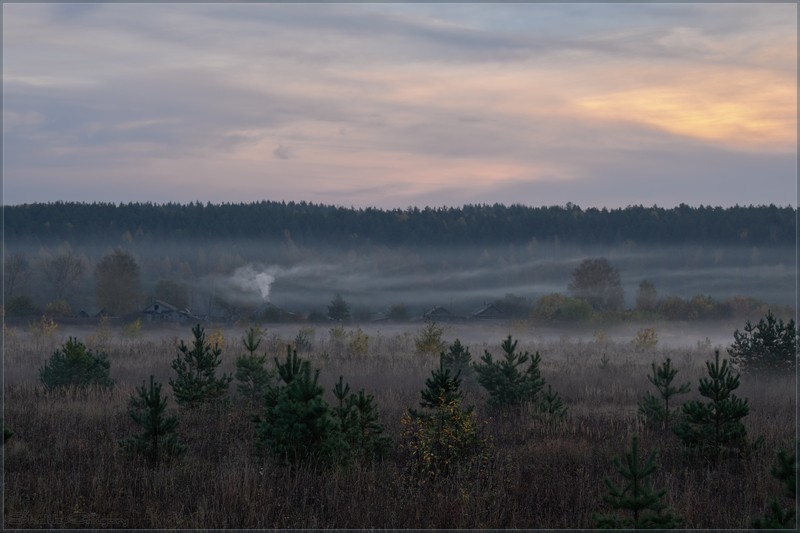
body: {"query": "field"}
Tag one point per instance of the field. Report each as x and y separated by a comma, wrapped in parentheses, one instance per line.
(64, 467)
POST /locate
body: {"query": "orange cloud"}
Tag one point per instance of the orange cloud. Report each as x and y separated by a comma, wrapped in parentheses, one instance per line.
(738, 108)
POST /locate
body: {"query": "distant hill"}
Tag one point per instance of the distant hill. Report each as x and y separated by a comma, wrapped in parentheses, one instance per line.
(308, 224)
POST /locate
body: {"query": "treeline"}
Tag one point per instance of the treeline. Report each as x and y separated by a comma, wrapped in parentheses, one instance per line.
(307, 223)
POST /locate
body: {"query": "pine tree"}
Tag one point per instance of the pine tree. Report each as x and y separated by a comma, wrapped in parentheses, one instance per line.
(636, 496)
(779, 518)
(158, 441)
(253, 377)
(769, 346)
(715, 427)
(507, 385)
(443, 437)
(75, 365)
(358, 423)
(457, 357)
(338, 309)
(298, 425)
(197, 382)
(551, 405)
(441, 388)
(651, 407)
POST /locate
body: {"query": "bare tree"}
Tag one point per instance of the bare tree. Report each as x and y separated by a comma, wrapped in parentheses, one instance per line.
(16, 271)
(62, 273)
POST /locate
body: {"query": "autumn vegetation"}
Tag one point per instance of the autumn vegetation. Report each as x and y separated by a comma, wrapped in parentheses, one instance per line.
(532, 434)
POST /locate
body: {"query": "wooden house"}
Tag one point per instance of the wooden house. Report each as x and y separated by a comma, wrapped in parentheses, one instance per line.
(488, 312)
(438, 314)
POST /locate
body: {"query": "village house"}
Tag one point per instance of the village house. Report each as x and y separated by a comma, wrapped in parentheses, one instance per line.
(160, 311)
(488, 312)
(438, 314)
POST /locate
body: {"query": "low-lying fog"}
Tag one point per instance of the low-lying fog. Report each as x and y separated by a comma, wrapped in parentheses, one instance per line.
(249, 274)
(670, 334)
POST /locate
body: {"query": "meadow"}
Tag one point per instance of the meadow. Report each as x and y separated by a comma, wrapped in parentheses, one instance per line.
(64, 467)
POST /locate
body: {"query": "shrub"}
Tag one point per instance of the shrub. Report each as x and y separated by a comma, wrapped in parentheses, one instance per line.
(645, 339)
(21, 306)
(133, 330)
(559, 308)
(197, 382)
(508, 386)
(303, 340)
(769, 346)
(158, 440)
(58, 309)
(429, 340)
(358, 343)
(44, 328)
(75, 365)
(338, 339)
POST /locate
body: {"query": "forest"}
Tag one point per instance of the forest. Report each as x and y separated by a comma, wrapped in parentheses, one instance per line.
(307, 223)
(228, 261)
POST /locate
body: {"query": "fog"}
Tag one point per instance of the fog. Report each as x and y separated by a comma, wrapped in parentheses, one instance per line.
(249, 274)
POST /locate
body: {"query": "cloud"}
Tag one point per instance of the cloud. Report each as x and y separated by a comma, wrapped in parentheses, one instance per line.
(439, 102)
(283, 152)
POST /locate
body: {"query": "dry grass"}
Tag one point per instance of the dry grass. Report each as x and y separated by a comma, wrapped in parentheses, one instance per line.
(63, 467)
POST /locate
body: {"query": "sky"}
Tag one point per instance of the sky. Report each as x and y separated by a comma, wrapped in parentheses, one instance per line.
(395, 105)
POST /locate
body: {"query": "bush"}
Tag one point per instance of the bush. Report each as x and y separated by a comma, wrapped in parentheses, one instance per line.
(303, 340)
(75, 365)
(21, 306)
(559, 308)
(133, 330)
(645, 339)
(58, 309)
(429, 340)
(769, 346)
(358, 343)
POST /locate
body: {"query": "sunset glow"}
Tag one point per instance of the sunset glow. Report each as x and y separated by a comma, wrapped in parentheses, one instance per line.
(394, 105)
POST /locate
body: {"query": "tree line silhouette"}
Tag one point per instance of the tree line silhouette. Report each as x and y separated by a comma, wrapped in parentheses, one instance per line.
(308, 223)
